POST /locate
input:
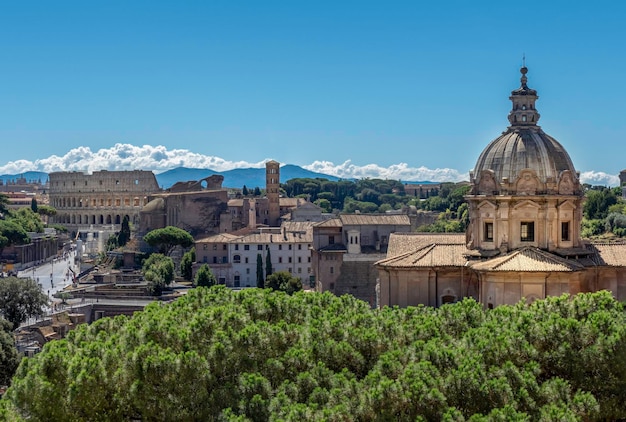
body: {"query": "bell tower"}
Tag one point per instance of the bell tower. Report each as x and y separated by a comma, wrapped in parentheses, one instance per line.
(272, 184)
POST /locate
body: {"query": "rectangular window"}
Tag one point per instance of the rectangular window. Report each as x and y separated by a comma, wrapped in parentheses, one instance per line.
(224, 247)
(280, 247)
(331, 240)
(289, 247)
(236, 247)
(527, 231)
(246, 259)
(259, 247)
(332, 270)
(488, 236)
(565, 231)
(247, 270)
(299, 259)
(299, 270)
(290, 260)
(299, 247)
(280, 259)
(246, 247)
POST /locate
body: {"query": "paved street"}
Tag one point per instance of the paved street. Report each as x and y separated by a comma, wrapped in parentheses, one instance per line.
(53, 276)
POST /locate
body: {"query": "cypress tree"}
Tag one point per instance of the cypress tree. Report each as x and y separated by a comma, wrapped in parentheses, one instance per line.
(260, 282)
(268, 264)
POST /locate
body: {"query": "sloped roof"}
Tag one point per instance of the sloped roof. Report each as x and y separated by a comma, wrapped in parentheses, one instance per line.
(218, 238)
(375, 219)
(430, 255)
(401, 243)
(331, 222)
(290, 202)
(297, 226)
(613, 254)
(292, 237)
(528, 259)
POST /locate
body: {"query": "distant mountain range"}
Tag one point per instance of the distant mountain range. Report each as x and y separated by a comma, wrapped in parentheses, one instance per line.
(236, 178)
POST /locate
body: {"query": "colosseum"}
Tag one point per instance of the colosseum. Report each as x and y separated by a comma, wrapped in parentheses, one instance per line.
(99, 201)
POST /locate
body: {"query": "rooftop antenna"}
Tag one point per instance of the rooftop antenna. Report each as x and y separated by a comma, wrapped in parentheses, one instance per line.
(523, 59)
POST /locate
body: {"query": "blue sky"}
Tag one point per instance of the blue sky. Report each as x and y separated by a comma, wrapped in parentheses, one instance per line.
(324, 84)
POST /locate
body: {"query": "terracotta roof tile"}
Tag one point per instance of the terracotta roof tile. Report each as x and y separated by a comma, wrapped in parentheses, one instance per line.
(613, 254)
(528, 260)
(218, 238)
(331, 222)
(375, 219)
(401, 243)
(431, 255)
(298, 226)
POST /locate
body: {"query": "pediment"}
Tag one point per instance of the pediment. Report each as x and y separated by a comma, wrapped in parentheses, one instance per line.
(526, 204)
(567, 205)
(487, 205)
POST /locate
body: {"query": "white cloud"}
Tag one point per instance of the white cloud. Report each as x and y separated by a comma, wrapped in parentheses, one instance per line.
(125, 157)
(599, 178)
(159, 159)
(400, 171)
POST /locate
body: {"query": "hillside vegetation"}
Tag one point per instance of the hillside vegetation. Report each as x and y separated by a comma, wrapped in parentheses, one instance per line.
(259, 355)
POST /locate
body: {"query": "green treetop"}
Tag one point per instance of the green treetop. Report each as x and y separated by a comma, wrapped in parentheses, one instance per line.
(217, 354)
(167, 238)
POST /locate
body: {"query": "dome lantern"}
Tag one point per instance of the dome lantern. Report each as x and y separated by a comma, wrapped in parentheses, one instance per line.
(523, 98)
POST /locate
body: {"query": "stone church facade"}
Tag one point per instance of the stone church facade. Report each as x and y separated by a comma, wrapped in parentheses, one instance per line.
(523, 240)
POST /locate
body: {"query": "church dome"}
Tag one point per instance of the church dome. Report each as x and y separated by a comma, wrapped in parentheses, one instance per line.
(524, 159)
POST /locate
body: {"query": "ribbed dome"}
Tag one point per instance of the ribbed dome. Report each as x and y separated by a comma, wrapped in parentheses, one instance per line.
(524, 151)
(520, 149)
